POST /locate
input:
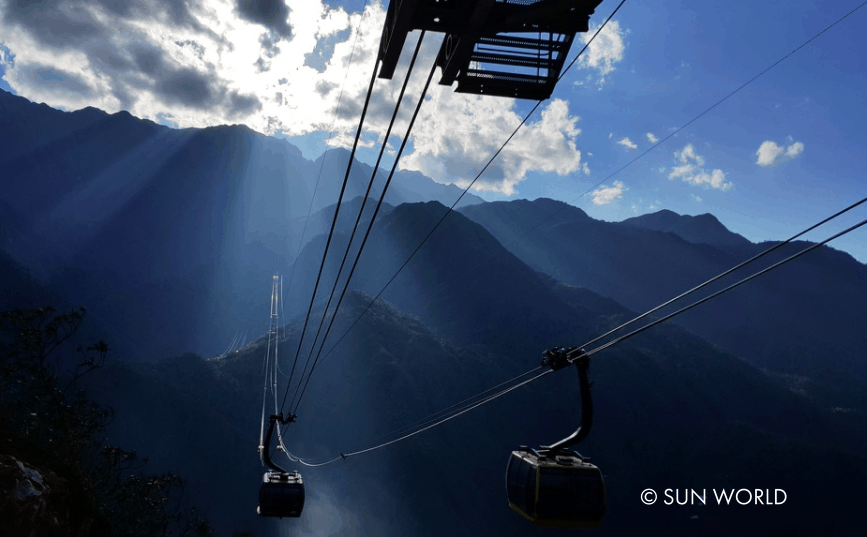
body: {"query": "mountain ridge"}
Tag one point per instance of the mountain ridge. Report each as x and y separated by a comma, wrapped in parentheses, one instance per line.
(802, 319)
(699, 228)
(181, 252)
(108, 206)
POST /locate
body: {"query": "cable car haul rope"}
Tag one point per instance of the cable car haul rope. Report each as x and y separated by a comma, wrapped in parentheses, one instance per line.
(550, 485)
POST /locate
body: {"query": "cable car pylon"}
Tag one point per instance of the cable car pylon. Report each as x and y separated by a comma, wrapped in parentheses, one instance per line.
(552, 486)
(507, 48)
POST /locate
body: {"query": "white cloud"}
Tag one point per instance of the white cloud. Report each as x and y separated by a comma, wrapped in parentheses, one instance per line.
(626, 142)
(688, 154)
(691, 170)
(606, 195)
(197, 64)
(193, 63)
(771, 154)
(585, 168)
(795, 149)
(652, 138)
(768, 152)
(605, 51)
(696, 198)
(462, 131)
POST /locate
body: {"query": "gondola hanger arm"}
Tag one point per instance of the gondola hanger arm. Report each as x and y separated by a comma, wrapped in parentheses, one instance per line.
(559, 358)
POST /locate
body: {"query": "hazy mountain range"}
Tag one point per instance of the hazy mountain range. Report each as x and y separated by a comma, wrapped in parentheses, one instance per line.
(116, 210)
(802, 319)
(170, 238)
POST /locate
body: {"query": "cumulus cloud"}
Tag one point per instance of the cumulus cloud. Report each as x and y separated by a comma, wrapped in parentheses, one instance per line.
(154, 59)
(627, 143)
(605, 51)
(271, 14)
(652, 138)
(281, 67)
(690, 168)
(606, 195)
(461, 131)
(771, 154)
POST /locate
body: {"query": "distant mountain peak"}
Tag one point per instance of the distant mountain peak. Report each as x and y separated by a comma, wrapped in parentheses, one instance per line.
(704, 228)
(553, 205)
(709, 217)
(336, 152)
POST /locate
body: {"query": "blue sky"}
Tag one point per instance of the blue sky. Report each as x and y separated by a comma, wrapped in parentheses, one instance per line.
(657, 67)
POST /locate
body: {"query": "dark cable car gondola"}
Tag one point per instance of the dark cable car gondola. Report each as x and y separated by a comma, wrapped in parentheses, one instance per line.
(509, 48)
(553, 486)
(282, 493)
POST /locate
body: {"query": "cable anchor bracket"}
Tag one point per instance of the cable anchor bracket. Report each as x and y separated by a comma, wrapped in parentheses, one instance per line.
(290, 418)
(560, 357)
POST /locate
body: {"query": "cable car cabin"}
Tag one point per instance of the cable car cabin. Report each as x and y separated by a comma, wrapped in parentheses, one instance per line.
(509, 48)
(281, 495)
(560, 490)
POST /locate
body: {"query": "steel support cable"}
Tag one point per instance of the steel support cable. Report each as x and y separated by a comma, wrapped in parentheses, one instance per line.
(370, 226)
(609, 177)
(729, 288)
(591, 352)
(580, 52)
(277, 343)
(455, 408)
(696, 118)
(277, 309)
(319, 175)
(723, 274)
(266, 368)
(453, 415)
(491, 160)
(428, 427)
(334, 221)
(685, 125)
(469, 401)
(613, 174)
(234, 341)
(283, 320)
(361, 211)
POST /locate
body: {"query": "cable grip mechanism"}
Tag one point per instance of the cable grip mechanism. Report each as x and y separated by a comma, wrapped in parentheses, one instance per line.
(560, 357)
(266, 449)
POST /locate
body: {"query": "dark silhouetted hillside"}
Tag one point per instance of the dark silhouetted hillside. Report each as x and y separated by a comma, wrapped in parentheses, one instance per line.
(671, 411)
(462, 283)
